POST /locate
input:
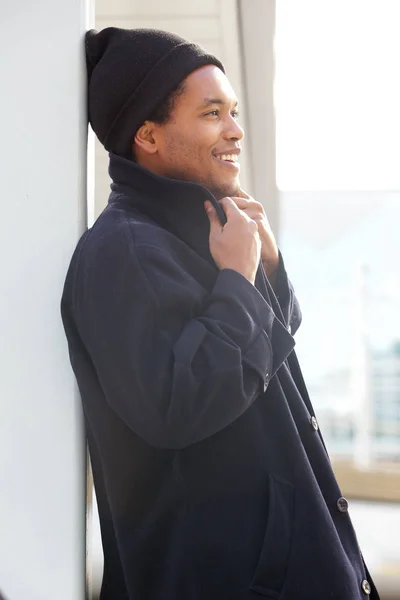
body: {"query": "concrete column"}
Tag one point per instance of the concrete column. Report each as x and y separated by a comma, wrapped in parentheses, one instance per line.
(257, 22)
(43, 212)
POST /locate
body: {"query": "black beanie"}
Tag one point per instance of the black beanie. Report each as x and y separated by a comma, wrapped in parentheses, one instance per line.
(130, 73)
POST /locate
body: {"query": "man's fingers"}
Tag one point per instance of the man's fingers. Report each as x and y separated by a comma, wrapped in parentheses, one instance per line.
(229, 206)
(251, 207)
(212, 214)
(241, 203)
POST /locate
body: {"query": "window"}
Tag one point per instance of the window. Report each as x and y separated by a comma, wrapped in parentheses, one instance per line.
(337, 98)
(338, 155)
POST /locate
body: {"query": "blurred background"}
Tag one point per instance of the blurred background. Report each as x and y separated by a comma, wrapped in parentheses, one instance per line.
(319, 91)
(320, 94)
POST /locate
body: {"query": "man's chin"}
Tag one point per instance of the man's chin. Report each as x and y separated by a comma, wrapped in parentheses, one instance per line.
(227, 189)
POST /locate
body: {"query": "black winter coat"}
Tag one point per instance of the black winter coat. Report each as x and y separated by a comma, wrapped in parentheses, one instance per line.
(212, 479)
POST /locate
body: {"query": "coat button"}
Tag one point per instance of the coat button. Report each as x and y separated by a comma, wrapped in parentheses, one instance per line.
(314, 423)
(342, 505)
(366, 587)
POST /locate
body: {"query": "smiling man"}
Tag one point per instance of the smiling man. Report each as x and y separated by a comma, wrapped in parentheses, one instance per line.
(193, 145)
(212, 479)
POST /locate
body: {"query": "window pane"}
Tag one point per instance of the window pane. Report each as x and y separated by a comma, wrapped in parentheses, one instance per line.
(337, 102)
(342, 250)
(338, 94)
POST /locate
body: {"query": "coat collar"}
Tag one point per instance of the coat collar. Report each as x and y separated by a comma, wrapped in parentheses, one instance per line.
(177, 206)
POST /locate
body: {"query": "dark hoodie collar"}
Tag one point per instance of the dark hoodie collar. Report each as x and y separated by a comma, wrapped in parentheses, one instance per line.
(177, 206)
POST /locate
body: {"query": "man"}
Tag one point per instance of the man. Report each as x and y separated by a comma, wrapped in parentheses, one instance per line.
(212, 479)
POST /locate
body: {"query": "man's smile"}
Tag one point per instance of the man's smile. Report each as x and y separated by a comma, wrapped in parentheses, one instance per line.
(229, 159)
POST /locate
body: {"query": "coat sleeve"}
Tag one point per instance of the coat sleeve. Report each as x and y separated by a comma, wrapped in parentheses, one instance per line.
(176, 364)
(287, 299)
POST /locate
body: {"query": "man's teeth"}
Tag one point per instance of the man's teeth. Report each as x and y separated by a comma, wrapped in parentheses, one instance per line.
(230, 157)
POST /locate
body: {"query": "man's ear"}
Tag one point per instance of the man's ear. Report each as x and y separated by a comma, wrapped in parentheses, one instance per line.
(145, 139)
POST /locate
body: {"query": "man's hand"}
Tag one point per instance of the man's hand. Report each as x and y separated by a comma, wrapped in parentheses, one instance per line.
(269, 248)
(236, 245)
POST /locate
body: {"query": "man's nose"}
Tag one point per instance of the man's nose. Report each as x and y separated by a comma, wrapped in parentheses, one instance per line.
(233, 131)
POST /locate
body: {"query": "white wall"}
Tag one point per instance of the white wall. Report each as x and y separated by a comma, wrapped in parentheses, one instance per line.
(211, 23)
(43, 175)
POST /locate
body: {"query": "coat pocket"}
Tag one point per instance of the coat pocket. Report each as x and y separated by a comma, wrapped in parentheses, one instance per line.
(270, 573)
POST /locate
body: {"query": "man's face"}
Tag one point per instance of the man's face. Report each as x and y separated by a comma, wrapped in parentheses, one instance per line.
(201, 141)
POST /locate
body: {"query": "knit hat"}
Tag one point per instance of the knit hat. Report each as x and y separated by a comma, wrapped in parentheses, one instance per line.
(130, 73)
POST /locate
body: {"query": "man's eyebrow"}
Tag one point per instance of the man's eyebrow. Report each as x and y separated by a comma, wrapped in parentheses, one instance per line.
(209, 101)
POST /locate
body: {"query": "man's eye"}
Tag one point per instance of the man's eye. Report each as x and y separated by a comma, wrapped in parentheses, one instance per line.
(235, 114)
(213, 113)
